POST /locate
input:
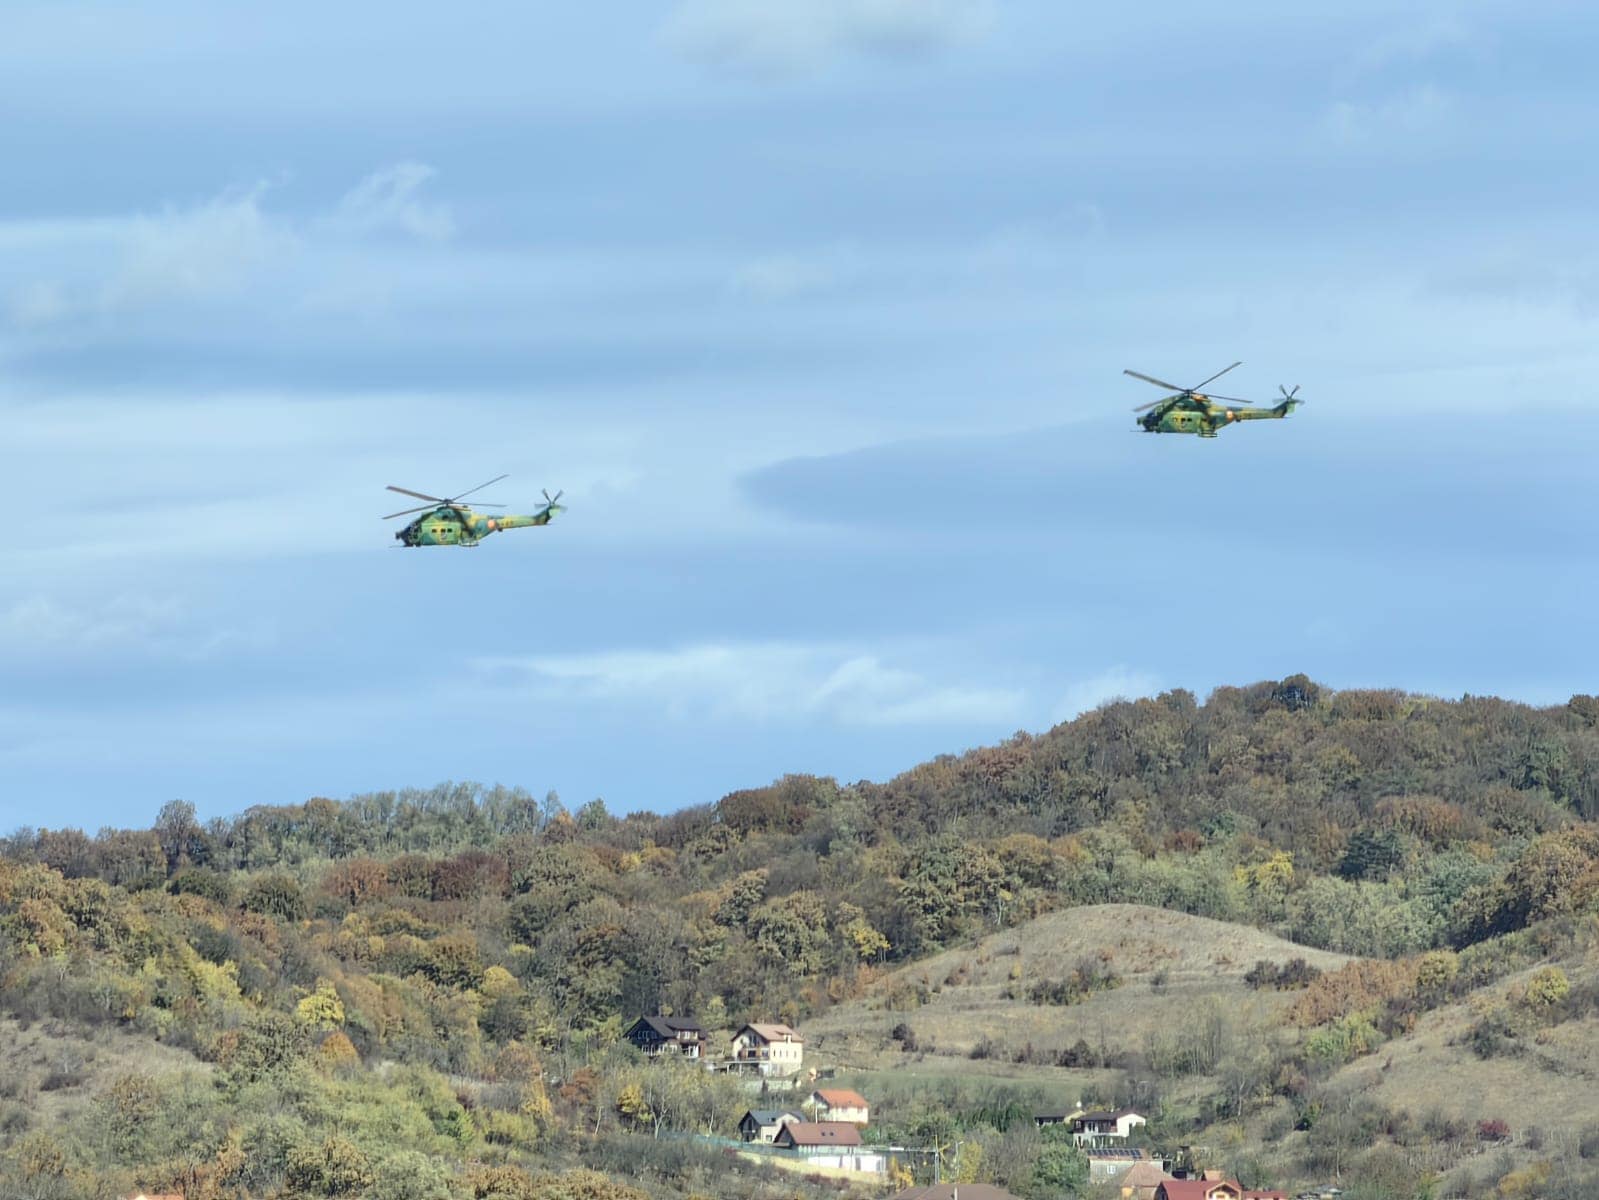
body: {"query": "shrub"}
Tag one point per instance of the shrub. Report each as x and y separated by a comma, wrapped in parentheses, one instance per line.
(1493, 1129)
(1548, 988)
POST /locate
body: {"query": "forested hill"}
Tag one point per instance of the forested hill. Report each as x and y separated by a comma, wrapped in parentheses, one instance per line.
(465, 932)
(1370, 822)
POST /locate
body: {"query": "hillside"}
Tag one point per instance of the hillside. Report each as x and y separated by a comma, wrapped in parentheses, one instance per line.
(420, 994)
(1167, 963)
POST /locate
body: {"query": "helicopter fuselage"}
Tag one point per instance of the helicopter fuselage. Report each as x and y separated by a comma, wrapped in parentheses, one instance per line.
(1204, 417)
(447, 526)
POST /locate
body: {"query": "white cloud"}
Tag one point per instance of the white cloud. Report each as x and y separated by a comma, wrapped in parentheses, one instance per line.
(228, 247)
(789, 35)
(1413, 43)
(764, 681)
(1118, 683)
(1418, 110)
(38, 625)
(784, 276)
(196, 253)
(388, 201)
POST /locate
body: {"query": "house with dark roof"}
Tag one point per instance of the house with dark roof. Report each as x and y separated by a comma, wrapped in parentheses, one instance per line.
(659, 1035)
(763, 1124)
(838, 1104)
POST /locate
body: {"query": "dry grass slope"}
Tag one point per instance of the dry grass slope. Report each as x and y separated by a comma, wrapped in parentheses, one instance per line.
(1168, 961)
(70, 1066)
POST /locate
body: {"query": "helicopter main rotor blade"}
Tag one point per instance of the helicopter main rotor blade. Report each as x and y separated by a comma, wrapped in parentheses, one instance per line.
(418, 495)
(1215, 377)
(1229, 399)
(406, 511)
(1155, 404)
(479, 487)
(1160, 382)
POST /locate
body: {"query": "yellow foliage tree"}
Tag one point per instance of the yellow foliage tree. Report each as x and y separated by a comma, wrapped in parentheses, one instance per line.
(1548, 988)
(631, 1104)
(497, 982)
(899, 1176)
(322, 1009)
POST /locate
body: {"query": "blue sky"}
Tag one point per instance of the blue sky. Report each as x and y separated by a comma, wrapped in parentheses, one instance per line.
(817, 310)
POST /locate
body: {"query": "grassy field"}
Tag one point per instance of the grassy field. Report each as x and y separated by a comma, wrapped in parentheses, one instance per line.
(1169, 963)
(68, 1066)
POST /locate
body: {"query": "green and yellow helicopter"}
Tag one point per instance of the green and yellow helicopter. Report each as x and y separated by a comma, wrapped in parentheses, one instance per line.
(1191, 411)
(445, 521)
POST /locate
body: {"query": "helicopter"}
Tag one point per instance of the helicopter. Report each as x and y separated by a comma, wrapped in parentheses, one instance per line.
(1191, 411)
(445, 521)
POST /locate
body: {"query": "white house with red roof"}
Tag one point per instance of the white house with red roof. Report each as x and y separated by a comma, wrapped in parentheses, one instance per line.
(838, 1104)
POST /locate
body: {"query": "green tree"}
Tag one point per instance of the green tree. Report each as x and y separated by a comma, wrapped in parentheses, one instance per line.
(1061, 1169)
(275, 895)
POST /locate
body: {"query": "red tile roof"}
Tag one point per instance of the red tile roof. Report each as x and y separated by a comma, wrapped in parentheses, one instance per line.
(1197, 1189)
(840, 1098)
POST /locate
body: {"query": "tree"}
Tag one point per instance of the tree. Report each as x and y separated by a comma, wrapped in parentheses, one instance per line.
(182, 839)
(275, 895)
(409, 1175)
(322, 1009)
(1061, 1169)
(335, 1167)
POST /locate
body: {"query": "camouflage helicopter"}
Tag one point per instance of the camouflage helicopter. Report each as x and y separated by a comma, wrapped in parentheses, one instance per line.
(448, 522)
(1191, 411)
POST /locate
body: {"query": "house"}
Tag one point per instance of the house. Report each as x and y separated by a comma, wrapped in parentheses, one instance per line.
(767, 1049)
(1107, 1164)
(1140, 1181)
(658, 1035)
(835, 1144)
(954, 1191)
(1198, 1189)
(1099, 1128)
(762, 1124)
(838, 1104)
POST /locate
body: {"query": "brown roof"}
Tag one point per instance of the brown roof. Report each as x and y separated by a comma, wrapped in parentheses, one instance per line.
(773, 1033)
(954, 1191)
(819, 1133)
(1197, 1189)
(1144, 1174)
(840, 1098)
